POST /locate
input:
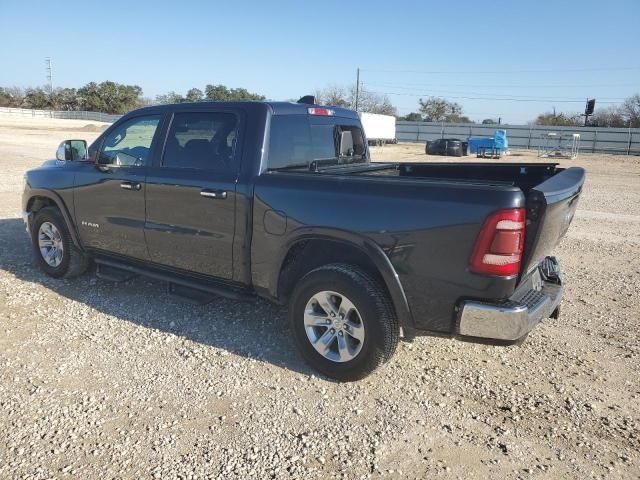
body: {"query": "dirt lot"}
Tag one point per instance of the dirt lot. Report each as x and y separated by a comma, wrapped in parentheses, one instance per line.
(118, 381)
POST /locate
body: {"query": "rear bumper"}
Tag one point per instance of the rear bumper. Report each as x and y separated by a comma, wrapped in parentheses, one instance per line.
(516, 317)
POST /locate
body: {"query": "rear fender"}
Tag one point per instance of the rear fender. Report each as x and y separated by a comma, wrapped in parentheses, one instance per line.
(373, 252)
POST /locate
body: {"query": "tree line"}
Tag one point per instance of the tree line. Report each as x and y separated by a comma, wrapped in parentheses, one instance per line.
(111, 97)
(115, 98)
(625, 115)
(436, 109)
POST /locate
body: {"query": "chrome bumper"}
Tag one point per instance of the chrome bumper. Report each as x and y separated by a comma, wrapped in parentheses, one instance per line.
(513, 319)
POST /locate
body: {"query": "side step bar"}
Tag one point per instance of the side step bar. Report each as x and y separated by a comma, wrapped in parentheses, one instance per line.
(191, 295)
(223, 291)
(111, 274)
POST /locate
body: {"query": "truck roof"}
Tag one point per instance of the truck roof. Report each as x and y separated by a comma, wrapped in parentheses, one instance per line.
(277, 108)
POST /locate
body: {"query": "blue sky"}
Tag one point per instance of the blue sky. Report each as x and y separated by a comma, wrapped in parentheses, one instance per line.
(471, 52)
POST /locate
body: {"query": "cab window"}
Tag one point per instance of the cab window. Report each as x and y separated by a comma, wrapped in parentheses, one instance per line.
(201, 140)
(295, 141)
(129, 143)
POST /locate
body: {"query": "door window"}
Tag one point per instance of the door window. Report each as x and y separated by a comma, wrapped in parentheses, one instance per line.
(129, 143)
(202, 140)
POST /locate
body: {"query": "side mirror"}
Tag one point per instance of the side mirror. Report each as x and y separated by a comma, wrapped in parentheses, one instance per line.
(72, 150)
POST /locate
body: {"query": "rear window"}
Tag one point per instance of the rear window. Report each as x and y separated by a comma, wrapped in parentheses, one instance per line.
(296, 142)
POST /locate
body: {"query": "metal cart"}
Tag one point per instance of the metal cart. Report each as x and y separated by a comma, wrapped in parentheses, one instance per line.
(559, 145)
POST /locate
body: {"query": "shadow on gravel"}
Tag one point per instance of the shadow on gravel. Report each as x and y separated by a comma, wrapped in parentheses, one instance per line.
(252, 329)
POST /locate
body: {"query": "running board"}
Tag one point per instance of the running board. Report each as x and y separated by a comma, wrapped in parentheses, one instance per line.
(112, 274)
(222, 290)
(191, 295)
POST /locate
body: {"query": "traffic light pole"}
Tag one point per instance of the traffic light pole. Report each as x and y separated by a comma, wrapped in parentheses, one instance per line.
(586, 115)
(588, 110)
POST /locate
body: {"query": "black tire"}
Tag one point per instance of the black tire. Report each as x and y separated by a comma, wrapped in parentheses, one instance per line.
(376, 312)
(74, 261)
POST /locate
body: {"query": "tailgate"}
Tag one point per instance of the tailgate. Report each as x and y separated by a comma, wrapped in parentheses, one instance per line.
(550, 209)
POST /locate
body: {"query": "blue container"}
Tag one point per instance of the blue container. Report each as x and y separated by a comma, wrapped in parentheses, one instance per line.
(498, 141)
(476, 142)
(501, 140)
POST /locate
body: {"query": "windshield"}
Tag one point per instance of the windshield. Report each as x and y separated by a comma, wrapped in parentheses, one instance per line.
(295, 142)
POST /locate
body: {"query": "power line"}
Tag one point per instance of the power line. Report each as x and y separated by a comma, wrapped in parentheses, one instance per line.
(443, 72)
(515, 97)
(488, 98)
(494, 85)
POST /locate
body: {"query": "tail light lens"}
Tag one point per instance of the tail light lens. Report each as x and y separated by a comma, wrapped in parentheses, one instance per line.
(498, 249)
(321, 111)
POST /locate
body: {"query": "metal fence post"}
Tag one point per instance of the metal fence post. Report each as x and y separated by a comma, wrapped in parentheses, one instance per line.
(595, 140)
(529, 141)
(629, 143)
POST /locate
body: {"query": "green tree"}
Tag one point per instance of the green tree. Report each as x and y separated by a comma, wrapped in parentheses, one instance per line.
(412, 117)
(109, 97)
(221, 92)
(11, 97)
(171, 97)
(65, 99)
(459, 119)
(436, 109)
(37, 98)
(489, 121)
(194, 95)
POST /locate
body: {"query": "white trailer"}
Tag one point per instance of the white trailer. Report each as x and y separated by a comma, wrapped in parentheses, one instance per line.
(379, 129)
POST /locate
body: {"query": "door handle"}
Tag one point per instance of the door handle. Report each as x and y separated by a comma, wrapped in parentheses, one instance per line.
(130, 186)
(219, 194)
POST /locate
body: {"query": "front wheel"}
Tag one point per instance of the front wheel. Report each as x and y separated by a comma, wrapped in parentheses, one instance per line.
(343, 322)
(53, 246)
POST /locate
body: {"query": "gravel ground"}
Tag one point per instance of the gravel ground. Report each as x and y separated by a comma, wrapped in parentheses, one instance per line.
(101, 380)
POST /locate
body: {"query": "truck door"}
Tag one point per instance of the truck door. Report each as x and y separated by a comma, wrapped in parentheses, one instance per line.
(109, 194)
(191, 190)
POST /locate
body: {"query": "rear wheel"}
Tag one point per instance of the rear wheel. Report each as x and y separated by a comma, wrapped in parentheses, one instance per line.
(343, 322)
(53, 247)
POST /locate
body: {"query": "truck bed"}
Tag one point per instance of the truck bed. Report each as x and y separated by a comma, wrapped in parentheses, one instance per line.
(522, 175)
(425, 217)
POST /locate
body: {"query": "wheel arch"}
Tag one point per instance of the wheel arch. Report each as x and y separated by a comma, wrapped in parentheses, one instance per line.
(40, 198)
(310, 249)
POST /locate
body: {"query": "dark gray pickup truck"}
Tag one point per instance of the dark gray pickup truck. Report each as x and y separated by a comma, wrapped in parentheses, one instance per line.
(280, 200)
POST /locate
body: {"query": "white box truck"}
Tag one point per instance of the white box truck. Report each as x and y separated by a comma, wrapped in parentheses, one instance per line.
(379, 129)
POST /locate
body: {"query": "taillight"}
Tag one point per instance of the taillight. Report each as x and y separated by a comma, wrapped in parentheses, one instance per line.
(321, 111)
(498, 249)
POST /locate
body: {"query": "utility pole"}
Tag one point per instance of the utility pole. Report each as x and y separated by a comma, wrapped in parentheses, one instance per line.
(49, 69)
(357, 86)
